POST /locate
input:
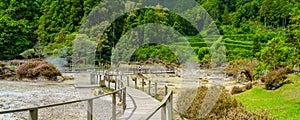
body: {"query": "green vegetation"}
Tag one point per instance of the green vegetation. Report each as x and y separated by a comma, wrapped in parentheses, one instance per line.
(157, 52)
(283, 103)
(107, 90)
(246, 26)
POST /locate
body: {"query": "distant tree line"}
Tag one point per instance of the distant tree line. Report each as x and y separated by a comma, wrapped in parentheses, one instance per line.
(266, 30)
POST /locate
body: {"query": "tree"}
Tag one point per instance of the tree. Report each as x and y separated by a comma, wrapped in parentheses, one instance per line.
(17, 23)
(278, 54)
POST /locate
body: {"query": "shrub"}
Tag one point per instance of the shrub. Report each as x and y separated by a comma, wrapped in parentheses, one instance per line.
(202, 52)
(2, 64)
(225, 108)
(275, 79)
(235, 67)
(248, 86)
(236, 90)
(46, 70)
(149, 61)
(37, 68)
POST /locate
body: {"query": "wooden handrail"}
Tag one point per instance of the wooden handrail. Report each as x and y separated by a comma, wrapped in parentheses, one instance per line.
(33, 111)
(161, 105)
(59, 104)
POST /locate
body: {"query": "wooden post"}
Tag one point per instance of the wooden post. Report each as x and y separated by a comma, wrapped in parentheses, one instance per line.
(119, 83)
(33, 114)
(135, 83)
(116, 81)
(91, 78)
(163, 112)
(102, 82)
(124, 98)
(170, 106)
(127, 80)
(108, 82)
(120, 92)
(166, 90)
(143, 85)
(149, 85)
(120, 95)
(155, 88)
(114, 106)
(97, 78)
(90, 109)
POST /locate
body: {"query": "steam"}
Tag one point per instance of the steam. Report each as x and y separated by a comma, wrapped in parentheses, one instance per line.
(58, 62)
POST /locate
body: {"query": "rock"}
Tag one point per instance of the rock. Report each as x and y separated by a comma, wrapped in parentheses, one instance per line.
(60, 78)
(68, 77)
(120, 103)
(6, 106)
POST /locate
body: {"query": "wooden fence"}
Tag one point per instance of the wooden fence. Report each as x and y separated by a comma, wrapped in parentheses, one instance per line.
(166, 107)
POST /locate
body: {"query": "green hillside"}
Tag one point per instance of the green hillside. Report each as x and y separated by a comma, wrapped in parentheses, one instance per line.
(283, 103)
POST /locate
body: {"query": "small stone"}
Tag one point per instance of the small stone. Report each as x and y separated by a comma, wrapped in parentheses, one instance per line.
(60, 78)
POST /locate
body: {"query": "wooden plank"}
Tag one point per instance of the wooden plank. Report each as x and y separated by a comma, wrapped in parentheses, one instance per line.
(87, 86)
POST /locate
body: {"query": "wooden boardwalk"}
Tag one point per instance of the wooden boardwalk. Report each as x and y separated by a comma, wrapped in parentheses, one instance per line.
(138, 103)
(142, 104)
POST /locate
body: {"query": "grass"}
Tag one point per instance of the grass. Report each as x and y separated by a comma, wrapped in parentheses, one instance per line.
(107, 90)
(283, 103)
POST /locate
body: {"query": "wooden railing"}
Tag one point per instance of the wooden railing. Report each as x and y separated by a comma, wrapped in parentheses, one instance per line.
(96, 78)
(166, 107)
(33, 111)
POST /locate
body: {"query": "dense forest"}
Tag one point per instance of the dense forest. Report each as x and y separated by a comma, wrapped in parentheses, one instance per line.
(264, 30)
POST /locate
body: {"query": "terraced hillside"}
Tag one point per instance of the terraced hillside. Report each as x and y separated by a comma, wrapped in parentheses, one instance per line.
(237, 45)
